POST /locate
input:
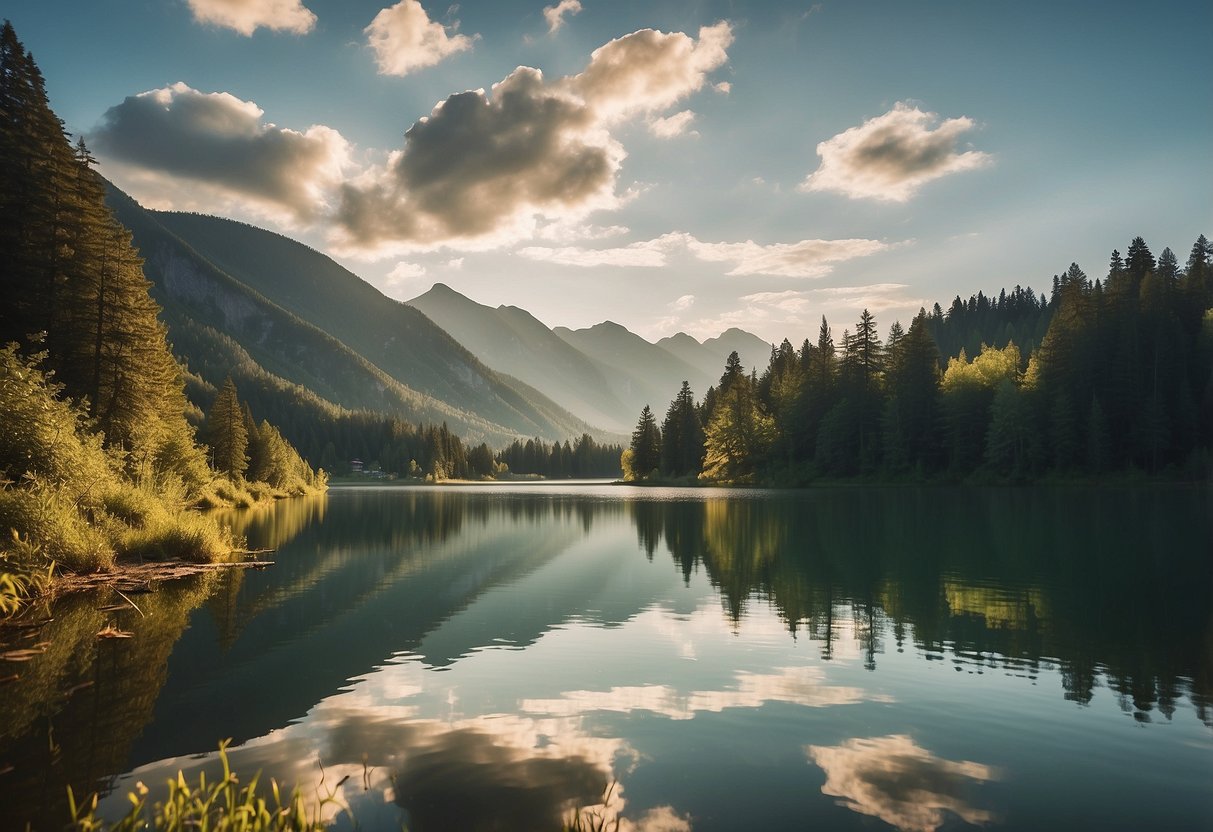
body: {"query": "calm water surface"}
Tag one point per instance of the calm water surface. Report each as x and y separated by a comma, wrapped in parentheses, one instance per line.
(494, 657)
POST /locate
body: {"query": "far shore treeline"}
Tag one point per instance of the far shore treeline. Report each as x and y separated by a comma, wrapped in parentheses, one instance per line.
(1122, 381)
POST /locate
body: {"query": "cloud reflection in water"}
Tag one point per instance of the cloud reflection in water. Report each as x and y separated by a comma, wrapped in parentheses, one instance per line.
(906, 786)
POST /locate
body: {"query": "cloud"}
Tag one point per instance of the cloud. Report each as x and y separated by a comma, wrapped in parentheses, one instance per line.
(555, 15)
(649, 70)
(245, 16)
(805, 258)
(403, 271)
(404, 39)
(683, 303)
(791, 301)
(646, 254)
(671, 126)
(224, 147)
(724, 87)
(891, 156)
(875, 297)
(906, 786)
(484, 169)
(483, 166)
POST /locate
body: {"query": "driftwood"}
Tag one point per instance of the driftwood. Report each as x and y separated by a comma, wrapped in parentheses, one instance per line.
(138, 577)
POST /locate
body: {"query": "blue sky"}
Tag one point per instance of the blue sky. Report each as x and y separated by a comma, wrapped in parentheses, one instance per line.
(671, 165)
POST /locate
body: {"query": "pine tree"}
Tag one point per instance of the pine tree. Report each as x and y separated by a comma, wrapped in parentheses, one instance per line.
(682, 436)
(646, 445)
(912, 409)
(738, 436)
(226, 432)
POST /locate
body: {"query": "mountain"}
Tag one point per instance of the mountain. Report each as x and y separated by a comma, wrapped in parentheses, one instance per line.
(604, 374)
(293, 323)
(685, 347)
(641, 372)
(513, 341)
(755, 353)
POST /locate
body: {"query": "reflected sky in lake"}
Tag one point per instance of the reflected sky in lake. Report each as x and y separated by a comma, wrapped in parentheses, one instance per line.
(500, 657)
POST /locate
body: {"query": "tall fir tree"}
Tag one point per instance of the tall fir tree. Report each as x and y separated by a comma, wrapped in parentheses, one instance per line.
(682, 436)
(226, 432)
(646, 445)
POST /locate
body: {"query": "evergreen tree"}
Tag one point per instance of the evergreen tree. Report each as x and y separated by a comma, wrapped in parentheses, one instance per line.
(912, 409)
(738, 436)
(682, 436)
(646, 445)
(226, 432)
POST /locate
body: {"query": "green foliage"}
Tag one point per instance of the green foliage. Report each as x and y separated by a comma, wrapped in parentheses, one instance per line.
(227, 433)
(738, 436)
(682, 436)
(24, 574)
(66, 500)
(1122, 380)
(223, 805)
(646, 446)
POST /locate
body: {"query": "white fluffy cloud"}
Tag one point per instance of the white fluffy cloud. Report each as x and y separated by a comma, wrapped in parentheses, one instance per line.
(906, 786)
(222, 145)
(245, 16)
(487, 168)
(404, 39)
(555, 15)
(891, 156)
(682, 303)
(671, 126)
(648, 71)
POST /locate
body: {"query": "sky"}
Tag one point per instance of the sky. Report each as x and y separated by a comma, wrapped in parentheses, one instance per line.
(677, 165)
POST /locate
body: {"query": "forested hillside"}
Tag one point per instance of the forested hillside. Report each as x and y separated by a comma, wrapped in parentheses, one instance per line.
(1121, 380)
(425, 373)
(98, 454)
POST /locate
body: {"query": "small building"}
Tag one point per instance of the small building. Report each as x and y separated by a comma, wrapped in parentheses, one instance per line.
(356, 466)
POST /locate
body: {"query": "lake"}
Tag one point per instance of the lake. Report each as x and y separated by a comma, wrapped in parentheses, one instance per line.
(494, 657)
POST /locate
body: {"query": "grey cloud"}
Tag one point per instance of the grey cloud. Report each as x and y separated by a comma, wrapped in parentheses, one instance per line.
(891, 156)
(221, 141)
(479, 163)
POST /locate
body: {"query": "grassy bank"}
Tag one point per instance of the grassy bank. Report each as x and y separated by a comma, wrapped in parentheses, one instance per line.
(70, 504)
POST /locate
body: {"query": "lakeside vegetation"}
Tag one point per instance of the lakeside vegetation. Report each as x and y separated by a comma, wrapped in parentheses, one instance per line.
(1121, 382)
(101, 452)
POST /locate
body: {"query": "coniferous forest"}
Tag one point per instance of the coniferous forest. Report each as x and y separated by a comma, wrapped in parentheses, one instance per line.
(1106, 376)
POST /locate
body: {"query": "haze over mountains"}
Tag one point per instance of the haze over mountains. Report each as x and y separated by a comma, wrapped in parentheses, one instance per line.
(299, 332)
(604, 374)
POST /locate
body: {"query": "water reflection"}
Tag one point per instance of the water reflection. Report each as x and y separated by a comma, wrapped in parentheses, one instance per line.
(906, 786)
(73, 712)
(1109, 583)
(495, 657)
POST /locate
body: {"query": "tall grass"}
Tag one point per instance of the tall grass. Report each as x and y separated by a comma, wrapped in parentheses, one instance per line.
(223, 806)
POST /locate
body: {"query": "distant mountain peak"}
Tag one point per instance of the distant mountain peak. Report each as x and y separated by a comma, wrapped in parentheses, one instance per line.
(440, 288)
